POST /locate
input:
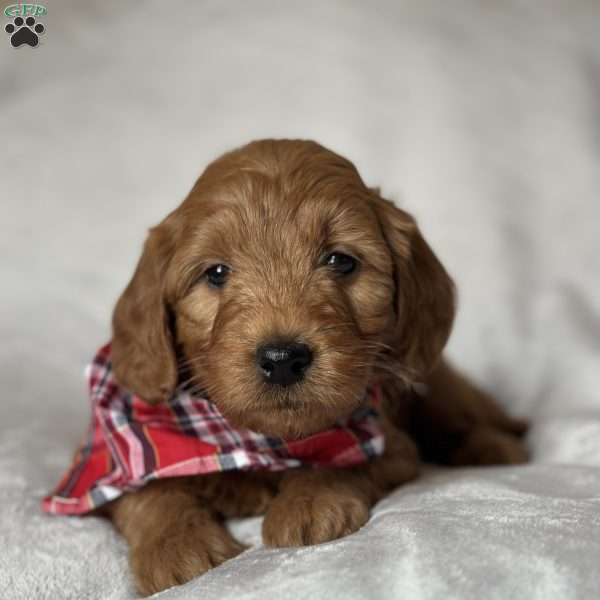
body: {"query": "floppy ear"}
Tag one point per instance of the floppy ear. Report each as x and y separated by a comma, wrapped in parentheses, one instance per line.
(142, 349)
(425, 296)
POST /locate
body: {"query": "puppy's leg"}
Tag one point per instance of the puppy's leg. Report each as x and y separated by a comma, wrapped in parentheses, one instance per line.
(458, 424)
(399, 464)
(236, 494)
(315, 506)
(172, 536)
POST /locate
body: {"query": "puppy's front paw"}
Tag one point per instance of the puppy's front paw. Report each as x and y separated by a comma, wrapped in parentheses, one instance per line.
(179, 555)
(313, 518)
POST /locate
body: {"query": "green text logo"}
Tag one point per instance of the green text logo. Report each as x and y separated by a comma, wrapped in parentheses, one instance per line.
(25, 10)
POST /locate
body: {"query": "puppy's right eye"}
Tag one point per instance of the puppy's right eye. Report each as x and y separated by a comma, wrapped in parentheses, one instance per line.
(217, 275)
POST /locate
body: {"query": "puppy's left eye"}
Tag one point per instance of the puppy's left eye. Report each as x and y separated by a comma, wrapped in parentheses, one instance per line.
(217, 275)
(341, 263)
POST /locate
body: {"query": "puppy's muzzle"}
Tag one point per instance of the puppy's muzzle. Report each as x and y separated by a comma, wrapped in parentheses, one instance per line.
(283, 363)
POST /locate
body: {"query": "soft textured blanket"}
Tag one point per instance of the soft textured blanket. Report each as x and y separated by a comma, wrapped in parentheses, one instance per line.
(482, 118)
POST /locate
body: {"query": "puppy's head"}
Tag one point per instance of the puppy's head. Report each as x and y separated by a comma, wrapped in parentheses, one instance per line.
(281, 286)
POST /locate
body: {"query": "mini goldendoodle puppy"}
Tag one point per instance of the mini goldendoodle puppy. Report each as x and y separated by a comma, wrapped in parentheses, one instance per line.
(265, 356)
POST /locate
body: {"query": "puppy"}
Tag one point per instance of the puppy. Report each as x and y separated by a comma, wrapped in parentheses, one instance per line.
(284, 287)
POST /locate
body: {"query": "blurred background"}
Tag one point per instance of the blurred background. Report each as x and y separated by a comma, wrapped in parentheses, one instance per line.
(482, 118)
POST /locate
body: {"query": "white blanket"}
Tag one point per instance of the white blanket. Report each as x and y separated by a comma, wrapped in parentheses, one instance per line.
(482, 118)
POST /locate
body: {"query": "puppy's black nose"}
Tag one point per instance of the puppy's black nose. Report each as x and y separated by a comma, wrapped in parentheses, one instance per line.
(283, 364)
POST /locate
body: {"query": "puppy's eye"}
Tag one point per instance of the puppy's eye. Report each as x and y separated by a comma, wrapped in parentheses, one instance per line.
(217, 275)
(341, 263)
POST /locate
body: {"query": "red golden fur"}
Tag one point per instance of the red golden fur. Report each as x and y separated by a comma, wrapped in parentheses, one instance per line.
(272, 212)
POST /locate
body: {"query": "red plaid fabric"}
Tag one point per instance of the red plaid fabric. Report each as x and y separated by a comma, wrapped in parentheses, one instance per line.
(130, 443)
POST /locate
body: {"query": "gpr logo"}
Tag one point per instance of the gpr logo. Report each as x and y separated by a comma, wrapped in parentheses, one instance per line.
(24, 28)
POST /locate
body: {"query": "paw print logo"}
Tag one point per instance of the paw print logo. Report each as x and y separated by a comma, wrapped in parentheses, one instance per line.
(24, 31)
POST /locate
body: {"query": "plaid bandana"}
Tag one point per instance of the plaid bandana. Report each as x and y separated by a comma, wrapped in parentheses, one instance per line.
(130, 443)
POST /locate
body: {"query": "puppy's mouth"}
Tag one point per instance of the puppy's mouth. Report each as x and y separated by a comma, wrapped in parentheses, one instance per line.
(288, 404)
(289, 399)
(303, 403)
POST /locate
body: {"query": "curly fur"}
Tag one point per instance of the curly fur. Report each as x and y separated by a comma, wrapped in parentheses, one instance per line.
(271, 210)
